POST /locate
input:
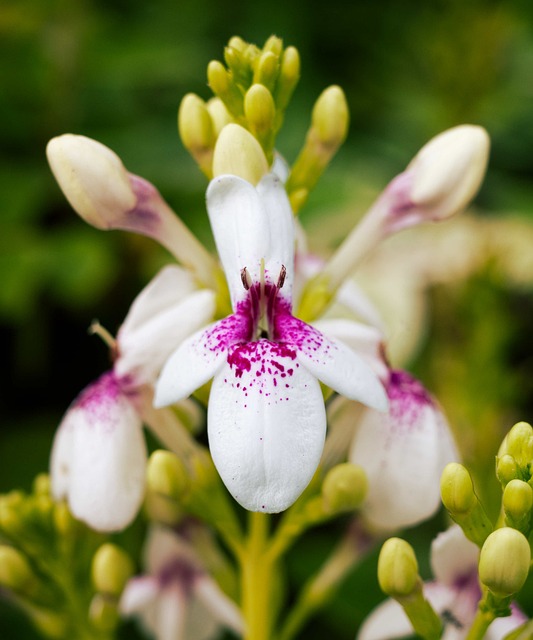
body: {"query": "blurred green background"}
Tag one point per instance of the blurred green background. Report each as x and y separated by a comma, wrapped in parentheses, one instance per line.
(116, 70)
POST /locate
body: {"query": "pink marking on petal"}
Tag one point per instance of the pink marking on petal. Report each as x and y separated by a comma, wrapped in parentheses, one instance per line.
(408, 398)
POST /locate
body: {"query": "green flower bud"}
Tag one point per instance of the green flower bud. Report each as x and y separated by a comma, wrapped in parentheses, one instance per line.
(457, 489)
(330, 117)
(506, 469)
(196, 130)
(259, 108)
(519, 444)
(266, 70)
(220, 116)
(111, 568)
(238, 153)
(41, 484)
(344, 488)
(223, 86)
(237, 43)
(504, 562)
(274, 45)
(517, 502)
(15, 571)
(289, 74)
(166, 474)
(64, 521)
(398, 569)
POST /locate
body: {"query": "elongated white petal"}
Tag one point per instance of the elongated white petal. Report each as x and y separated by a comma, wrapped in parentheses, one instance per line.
(282, 231)
(142, 352)
(106, 471)
(453, 556)
(332, 362)
(221, 608)
(198, 358)
(170, 614)
(386, 622)
(168, 288)
(502, 626)
(241, 229)
(403, 454)
(139, 593)
(266, 425)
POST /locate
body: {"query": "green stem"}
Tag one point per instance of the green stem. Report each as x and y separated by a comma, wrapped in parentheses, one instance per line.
(256, 580)
(480, 625)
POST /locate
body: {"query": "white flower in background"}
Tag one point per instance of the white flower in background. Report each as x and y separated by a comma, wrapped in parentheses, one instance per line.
(177, 599)
(266, 416)
(454, 594)
(99, 456)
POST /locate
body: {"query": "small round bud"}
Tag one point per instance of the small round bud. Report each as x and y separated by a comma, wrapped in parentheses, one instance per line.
(238, 153)
(504, 561)
(195, 125)
(344, 488)
(111, 568)
(166, 474)
(274, 45)
(237, 43)
(517, 499)
(220, 116)
(15, 571)
(266, 69)
(93, 179)
(398, 568)
(330, 117)
(506, 469)
(457, 490)
(520, 444)
(259, 108)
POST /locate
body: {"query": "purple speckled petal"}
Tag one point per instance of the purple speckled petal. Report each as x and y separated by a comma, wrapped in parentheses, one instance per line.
(332, 362)
(99, 456)
(198, 358)
(266, 425)
(403, 454)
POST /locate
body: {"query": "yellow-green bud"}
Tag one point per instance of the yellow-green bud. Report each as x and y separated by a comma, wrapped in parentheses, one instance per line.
(457, 490)
(266, 69)
(64, 521)
(330, 117)
(259, 108)
(237, 43)
(223, 86)
(238, 153)
(520, 444)
(344, 488)
(506, 469)
(288, 77)
(111, 568)
(504, 561)
(517, 502)
(196, 129)
(12, 506)
(274, 45)
(166, 474)
(398, 569)
(41, 484)
(103, 613)
(15, 571)
(220, 116)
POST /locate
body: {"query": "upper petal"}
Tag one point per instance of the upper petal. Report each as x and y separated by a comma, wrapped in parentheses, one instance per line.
(266, 425)
(385, 622)
(198, 358)
(105, 473)
(453, 556)
(332, 362)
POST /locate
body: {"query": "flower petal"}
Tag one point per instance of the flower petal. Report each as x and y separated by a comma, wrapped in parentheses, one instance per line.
(106, 471)
(241, 229)
(385, 622)
(266, 425)
(221, 608)
(403, 454)
(139, 593)
(502, 626)
(332, 362)
(143, 352)
(453, 556)
(198, 358)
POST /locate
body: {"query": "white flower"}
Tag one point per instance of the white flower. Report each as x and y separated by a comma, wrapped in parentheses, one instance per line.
(266, 416)
(403, 453)
(99, 456)
(177, 599)
(454, 594)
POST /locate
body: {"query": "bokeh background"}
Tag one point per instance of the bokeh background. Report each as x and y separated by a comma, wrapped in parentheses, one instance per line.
(115, 70)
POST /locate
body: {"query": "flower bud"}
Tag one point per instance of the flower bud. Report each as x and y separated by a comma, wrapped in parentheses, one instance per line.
(289, 74)
(166, 474)
(330, 117)
(504, 562)
(196, 130)
(111, 568)
(259, 109)
(457, 490)
(223, 86)
(220, 116)
(344, 488)
(41, 484)
(273, 45)
(519, 444)
(517, 502)
(93, 179)
(238, 153)
(506, 469)
(266, 69)
(448, 171)
(15, 571)
(398, 569)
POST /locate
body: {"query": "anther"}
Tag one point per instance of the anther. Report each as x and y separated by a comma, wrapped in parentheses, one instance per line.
(281, 278)
(246, 279)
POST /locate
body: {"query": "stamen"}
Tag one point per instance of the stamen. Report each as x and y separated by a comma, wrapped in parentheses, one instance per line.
(97, 329)
(246, 279)
(281, 278)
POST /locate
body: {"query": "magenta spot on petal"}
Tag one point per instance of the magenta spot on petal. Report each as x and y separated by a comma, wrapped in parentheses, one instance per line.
(408, 398)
